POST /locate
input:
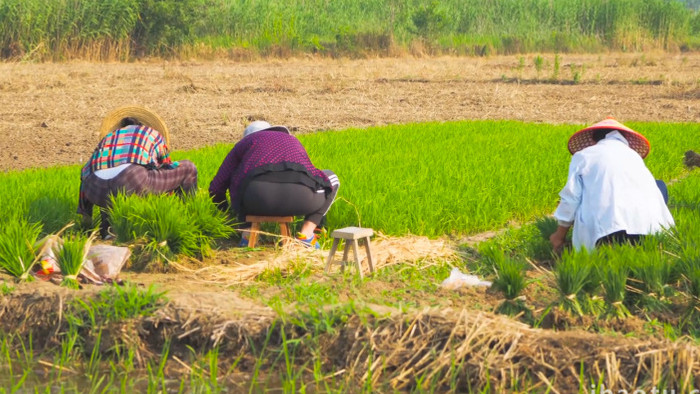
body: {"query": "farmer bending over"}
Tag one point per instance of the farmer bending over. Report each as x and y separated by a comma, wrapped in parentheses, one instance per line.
(132, 157)
(610, 196)
(269, 173)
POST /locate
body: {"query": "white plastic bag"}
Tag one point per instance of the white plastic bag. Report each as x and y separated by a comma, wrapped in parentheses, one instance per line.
(458, 279)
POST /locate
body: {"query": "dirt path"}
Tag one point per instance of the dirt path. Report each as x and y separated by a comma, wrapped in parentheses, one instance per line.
(50, 113)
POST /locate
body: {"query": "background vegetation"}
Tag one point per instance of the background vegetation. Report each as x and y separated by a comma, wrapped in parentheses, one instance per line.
(127, 29)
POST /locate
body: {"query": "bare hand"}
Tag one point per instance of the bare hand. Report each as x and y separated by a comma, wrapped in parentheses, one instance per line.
(557, 241)
(558, 237)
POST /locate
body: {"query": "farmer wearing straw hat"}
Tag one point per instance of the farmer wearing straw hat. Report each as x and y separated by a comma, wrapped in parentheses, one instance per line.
(131, 157)
(269, 173)
(610, 196)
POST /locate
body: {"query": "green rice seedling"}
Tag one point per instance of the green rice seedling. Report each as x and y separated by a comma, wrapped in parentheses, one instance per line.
(572, 273)
(6, 289)
(493, 257)
(18, 252)
(614, 273)
(547, 226)
(168, 226)
(161, 223)
(52, 212)
(125, 216)
(211, 222)
(70, 256)
(591, 302)
(510, 280)
(689, 270)
(650, 274)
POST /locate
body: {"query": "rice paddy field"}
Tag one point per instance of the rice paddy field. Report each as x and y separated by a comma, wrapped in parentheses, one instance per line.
(455, 162)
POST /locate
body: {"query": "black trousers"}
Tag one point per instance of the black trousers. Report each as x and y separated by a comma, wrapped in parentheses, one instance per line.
(619, 237)
(275, 198)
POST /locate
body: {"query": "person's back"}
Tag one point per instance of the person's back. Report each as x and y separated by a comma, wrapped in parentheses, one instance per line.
(610, 195)
(618, 193)
(269, 173)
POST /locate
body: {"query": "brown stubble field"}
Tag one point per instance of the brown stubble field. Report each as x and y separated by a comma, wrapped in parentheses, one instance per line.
(50, 113)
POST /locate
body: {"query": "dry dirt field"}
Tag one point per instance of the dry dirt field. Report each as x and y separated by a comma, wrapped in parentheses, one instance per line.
(50, 113)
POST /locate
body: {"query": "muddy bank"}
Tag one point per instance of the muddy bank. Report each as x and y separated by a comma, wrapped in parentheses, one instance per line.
(450, 348)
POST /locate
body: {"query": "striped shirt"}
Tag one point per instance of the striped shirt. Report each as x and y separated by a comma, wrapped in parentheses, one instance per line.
(129, 145)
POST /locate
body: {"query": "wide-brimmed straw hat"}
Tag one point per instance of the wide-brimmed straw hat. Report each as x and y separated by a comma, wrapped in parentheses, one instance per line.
(261, 125)
(584, 138)
(143, 115)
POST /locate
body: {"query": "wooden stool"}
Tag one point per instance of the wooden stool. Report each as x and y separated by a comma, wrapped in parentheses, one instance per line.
(351, 234)
(255, 226)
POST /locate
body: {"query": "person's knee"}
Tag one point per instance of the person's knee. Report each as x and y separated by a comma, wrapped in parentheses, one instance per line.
(188, 167)
(190, 177)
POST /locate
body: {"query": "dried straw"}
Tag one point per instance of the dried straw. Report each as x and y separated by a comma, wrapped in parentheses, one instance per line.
(386, 251)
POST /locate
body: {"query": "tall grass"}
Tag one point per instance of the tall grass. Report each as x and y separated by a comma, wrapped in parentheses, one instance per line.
(121, 29)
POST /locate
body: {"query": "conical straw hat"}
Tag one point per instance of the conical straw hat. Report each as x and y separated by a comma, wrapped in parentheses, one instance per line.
(584, 138)
(144, 115)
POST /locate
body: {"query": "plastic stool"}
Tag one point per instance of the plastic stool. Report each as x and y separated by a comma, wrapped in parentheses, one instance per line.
(255, 226)
(351, 234)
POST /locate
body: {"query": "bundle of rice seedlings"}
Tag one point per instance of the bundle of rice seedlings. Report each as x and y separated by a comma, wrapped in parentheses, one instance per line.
(547, 226)
(572, 273)
(510, 280)
(689, 269)
(166, 227)
(125, 217)
(493, 257)
(211, 222)
(18, 253)
(614, 280)
(591, 301)
(650, 274)
(70, 256)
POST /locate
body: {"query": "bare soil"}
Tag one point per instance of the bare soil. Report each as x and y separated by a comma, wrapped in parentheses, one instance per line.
(50, 113)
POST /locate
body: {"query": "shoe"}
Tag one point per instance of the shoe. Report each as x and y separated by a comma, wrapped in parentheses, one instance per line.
(243, 243)
(311, 242)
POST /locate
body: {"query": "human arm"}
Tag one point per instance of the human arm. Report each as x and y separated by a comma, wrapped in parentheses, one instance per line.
(569, 203)
(222, 180)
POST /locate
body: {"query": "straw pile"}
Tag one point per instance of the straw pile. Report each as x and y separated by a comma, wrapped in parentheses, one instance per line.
(386, 251)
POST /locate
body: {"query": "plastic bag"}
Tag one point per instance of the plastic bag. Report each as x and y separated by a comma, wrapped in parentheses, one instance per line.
(458, 279)
(48, 263)
(106, 261)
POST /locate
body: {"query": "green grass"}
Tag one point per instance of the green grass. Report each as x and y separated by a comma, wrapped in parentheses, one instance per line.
(123, 29)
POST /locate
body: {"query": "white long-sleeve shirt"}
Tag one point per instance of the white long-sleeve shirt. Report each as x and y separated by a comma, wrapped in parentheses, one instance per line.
(610, 189)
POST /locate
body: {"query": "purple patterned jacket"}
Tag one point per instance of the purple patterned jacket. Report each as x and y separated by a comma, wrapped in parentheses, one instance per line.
(260, 153)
